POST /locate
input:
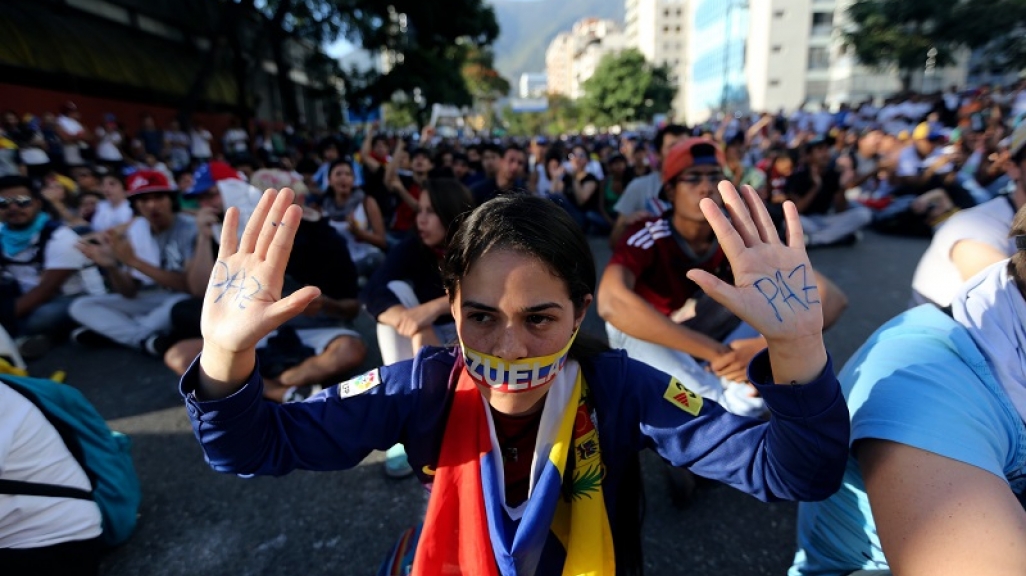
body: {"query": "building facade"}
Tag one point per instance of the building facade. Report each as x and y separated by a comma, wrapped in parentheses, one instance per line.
(559, 64)
(572, 57)
(761, 55)
(659, 30)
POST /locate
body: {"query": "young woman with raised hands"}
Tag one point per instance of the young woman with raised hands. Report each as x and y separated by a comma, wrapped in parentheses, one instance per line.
(526, 432)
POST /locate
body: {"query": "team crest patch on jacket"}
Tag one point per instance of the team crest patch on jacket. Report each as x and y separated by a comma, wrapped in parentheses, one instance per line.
(678, 395)
(359, 384)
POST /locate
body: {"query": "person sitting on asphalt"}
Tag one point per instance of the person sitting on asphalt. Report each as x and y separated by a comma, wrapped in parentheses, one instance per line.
(43, 535)
(641, 198)
(145, 266)
(310, 350)
(406, 295)
(41, 271)
(356, 216)
(972, 239)
(480, 421)
(936, 476)
(508, 175)
(819, 193)
(662, 318)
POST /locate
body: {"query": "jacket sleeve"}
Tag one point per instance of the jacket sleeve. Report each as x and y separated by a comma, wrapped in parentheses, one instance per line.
(799, 454)
(333, 430)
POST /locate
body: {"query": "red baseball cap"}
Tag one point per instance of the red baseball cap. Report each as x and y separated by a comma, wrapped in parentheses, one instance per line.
(146, 182)
(691, 152)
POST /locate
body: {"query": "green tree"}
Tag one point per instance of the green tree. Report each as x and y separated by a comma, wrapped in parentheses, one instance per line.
(906, 34)
(483, 81)
(625, 88)
(428, 43)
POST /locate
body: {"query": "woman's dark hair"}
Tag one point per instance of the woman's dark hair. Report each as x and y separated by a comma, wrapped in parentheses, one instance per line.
(534, 227)
(449, 200)
(555, 153)
(528, 225)
(343, 160)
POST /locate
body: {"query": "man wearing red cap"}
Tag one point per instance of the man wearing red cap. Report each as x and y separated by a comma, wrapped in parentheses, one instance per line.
(145, 266)
(659, 316)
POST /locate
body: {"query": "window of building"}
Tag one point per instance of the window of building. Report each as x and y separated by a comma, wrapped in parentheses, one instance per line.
(774, 83)
(666, 29)
(819, 58)
(778, 14)
(776, 48)
(666, 12)
(822, 23)
(677, 29)
(822, 18)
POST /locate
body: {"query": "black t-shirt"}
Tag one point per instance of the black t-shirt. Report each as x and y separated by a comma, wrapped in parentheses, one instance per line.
(320, 257)
(591, 204)
(374, 186)
(412, 262)
(487, 189)
(799, 183)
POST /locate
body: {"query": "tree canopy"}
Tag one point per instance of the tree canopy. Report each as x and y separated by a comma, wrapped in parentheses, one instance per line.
(626, 88)
(906, 34)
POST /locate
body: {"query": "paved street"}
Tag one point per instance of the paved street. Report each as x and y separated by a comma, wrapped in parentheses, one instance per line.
(197, 522)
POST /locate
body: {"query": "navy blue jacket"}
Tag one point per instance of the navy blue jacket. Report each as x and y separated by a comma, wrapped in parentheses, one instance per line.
(799, 454)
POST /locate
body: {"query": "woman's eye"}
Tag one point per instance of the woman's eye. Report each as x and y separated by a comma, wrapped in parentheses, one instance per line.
(538, 319)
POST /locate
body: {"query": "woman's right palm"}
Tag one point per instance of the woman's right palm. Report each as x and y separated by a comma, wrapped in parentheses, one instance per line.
(243, 302)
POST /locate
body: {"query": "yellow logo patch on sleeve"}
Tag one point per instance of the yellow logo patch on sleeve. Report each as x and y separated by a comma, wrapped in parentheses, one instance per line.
(678, 395)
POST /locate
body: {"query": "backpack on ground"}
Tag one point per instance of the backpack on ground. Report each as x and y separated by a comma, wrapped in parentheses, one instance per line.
(104, 455)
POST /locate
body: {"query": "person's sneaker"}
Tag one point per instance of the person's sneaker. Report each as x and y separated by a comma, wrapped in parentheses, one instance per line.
(32, 347)
(157, 345)
(85, 337)
(396, 465)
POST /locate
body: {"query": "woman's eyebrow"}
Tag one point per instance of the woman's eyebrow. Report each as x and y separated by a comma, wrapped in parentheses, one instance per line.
(540, 307)
(528, 310)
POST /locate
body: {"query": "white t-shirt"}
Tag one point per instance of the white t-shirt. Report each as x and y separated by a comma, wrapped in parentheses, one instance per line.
(72, 154)
(107, 147)
(61, 254)
(236, 139)
(201, 143)
(108, 216)
(936, 278)
(32, 451)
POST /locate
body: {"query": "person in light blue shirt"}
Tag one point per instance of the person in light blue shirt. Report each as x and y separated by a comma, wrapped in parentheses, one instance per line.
(938, 444)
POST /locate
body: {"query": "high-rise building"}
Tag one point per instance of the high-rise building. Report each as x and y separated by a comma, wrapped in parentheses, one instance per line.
(559, 64)
(572, 57)
(658, 29)
(759, 55)
(595, 39)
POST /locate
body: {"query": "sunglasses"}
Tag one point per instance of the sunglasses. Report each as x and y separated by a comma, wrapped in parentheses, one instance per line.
(19, 201)
(697, 178)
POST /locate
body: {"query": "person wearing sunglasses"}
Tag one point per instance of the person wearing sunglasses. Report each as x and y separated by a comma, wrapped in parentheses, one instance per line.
(41, 272)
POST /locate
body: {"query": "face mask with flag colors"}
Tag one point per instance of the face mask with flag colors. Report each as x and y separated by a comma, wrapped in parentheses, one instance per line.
(511, 377)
